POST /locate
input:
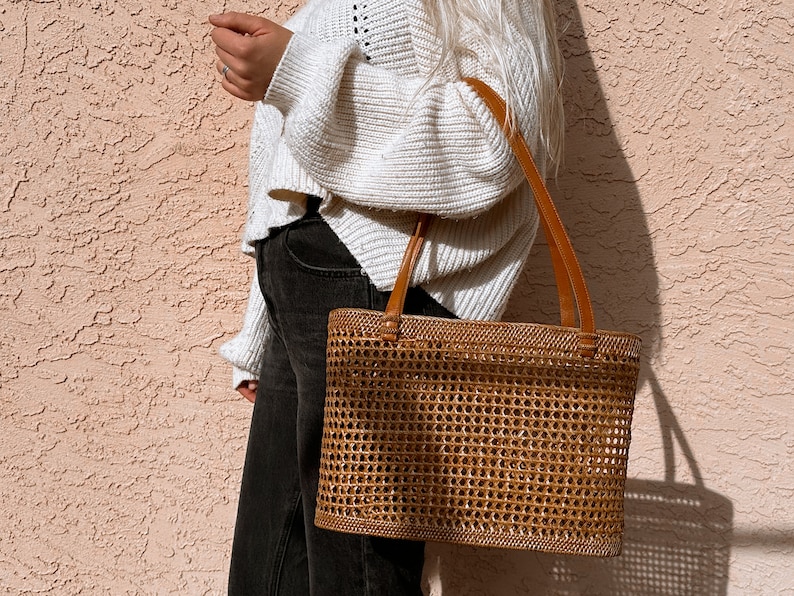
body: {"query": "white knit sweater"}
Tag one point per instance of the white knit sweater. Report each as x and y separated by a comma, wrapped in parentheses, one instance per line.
(350, 118)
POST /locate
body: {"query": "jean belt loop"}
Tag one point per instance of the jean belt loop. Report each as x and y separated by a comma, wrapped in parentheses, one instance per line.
(313, 205)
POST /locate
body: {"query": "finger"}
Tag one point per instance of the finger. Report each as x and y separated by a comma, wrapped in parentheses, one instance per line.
(247, 394)
(228, 41)
(236, 85)
(241, 23)
(241, 65)
(238, 92)
(239, 85)
(224, 69)
(232, 48)
(233, 62)
(248, 390)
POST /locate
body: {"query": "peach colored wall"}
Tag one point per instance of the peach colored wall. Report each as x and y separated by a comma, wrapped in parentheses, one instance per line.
(122, 193)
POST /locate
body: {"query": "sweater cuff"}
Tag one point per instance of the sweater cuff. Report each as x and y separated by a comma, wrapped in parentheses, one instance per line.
(240, 375)
(306, 63)
(244, 351)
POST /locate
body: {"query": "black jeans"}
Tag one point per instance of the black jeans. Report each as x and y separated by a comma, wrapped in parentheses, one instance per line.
(305, 272)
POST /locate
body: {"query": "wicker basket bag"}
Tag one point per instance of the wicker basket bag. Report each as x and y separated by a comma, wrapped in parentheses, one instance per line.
(500, 434)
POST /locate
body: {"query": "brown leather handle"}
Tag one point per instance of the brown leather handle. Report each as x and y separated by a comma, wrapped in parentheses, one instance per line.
(390, 325)
(567, 271)
(497, 106)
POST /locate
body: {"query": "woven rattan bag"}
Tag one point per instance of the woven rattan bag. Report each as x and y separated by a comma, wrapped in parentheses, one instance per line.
(499, 434)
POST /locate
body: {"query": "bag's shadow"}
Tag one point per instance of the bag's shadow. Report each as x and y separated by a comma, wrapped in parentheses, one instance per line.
(678, 536)
(677, 541)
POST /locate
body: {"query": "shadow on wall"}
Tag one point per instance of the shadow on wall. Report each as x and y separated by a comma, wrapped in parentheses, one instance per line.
(678, 536)
(677, 541)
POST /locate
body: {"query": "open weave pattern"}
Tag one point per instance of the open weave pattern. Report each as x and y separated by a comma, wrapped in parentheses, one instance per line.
(486, 434)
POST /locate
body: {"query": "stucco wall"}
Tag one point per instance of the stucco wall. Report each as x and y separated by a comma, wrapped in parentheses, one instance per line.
(122, 193)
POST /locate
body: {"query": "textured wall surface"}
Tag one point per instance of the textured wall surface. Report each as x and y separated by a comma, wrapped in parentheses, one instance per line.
(122, 193)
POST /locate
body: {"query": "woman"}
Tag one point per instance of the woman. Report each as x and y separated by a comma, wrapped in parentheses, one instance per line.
(361, 122)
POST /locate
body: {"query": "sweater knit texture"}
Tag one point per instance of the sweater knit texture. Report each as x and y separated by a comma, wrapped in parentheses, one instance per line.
(359, 114)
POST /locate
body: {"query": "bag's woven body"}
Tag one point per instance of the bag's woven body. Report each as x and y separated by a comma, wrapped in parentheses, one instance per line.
(513, 435)
(495, 434)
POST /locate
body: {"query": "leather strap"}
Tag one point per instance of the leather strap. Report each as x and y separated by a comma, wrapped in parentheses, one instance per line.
(499, 109)
(390, 325)
(571, 286)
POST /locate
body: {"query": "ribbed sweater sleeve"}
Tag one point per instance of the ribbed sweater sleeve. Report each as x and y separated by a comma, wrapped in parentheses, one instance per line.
(244, 351)
(383, 140)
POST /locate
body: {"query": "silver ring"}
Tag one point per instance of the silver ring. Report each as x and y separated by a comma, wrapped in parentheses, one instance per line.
(224, 71)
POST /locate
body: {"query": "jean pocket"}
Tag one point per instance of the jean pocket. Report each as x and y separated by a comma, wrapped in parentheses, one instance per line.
(314, 247)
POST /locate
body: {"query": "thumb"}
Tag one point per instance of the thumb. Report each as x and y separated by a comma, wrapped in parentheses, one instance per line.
(244, 24)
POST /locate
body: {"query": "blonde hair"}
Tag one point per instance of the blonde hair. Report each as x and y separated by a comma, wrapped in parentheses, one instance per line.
(499, 25)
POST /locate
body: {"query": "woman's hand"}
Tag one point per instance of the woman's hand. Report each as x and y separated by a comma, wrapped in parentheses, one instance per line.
(249, 49)
(248, 390)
